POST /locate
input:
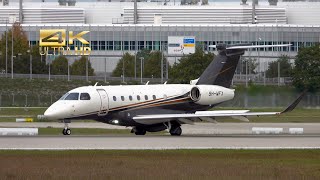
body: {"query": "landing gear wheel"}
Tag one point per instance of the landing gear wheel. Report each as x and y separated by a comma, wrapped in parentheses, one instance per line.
(66, 131)
(176, 131)
(139, 131)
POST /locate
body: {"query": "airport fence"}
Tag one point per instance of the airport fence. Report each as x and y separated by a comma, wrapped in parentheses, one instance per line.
(237, 79)
(241, 99)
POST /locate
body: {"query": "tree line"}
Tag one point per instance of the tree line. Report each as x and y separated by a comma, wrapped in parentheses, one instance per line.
(22, 52)
(305, 71)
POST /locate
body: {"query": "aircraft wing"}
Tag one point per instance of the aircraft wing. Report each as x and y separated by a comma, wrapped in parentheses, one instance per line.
(209, 116)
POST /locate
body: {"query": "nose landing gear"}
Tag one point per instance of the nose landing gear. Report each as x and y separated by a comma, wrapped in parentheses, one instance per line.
(66, 130)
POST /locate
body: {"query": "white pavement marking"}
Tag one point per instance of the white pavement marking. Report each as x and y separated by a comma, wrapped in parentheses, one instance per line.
(198, 128)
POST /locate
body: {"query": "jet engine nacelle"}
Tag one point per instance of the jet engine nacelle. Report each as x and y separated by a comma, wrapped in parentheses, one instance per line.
(210, 94)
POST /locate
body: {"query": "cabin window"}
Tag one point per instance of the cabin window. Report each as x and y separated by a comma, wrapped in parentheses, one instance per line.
(130, 98)
(146, 97)
(154, 97)
(138, 97)
(84, 96)
(64, 96)
(164, 96)
(122, 98)
(72, 96)
(114, 98)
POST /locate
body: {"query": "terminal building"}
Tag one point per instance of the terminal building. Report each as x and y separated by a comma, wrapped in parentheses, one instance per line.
(115, 29)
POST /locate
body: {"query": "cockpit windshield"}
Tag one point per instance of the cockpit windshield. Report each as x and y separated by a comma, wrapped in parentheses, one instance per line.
(72, 96)
(64, 96)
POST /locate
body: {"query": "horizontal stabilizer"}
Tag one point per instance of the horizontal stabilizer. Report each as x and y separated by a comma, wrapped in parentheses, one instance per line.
(251, 46)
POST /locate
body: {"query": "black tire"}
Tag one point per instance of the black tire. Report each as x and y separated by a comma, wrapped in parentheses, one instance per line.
(177, 131)
(68, 132)
(64, 131)
(140, 131)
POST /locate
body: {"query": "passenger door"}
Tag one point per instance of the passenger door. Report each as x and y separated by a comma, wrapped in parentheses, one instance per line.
(104, 107)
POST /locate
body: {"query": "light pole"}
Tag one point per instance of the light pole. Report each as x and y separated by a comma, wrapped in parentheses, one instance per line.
(12, 52)
(105, 70)
(87, 71)
(68, 71)
(141, 60)
(12, 66)
(48, 60)
(6, 48)
(30, 52)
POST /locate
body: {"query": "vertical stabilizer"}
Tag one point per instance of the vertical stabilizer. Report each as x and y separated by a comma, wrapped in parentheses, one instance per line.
(221, 70)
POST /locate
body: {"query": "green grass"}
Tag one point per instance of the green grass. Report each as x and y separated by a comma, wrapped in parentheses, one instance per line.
(157, 164)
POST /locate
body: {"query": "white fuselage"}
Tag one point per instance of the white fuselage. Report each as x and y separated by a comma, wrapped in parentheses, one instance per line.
(105, 99)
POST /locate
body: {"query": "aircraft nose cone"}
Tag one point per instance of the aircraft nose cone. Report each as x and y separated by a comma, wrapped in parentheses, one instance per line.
(50, 114)
(56, 111)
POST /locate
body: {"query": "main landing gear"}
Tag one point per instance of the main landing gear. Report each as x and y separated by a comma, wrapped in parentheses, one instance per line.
(175, 131)
(174, 128)
(138, 131)
(66, 130)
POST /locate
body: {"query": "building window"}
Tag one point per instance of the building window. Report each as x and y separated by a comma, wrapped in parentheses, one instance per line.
(141, 45)
(110, 45)
(114, 98)
(102, 45)
(126, 45)
(132, 45)
(117, 45)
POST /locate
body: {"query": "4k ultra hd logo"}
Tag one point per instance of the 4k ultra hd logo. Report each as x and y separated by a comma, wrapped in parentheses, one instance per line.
(56, 42)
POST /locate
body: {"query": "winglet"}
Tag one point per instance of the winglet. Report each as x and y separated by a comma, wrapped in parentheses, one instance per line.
(295, 103)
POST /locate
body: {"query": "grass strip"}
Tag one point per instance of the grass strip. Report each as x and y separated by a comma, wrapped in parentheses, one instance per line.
(161, 164)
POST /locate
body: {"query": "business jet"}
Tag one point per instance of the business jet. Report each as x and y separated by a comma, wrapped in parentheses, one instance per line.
(152, 108)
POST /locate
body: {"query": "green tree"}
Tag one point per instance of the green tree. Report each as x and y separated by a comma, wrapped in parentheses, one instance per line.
(60, 66)
(190, 66)
(20, 49)
(285, 68)
(21, 52)
(79, 67)
(126, 62)
(39, 65)
(152, 65)
(251, 66)
(306, 73)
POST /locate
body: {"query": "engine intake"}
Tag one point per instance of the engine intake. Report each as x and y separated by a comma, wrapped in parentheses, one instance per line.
(195, 94)
(210, 94)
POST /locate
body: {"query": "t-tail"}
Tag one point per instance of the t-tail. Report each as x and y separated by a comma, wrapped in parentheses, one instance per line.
(222, 69)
